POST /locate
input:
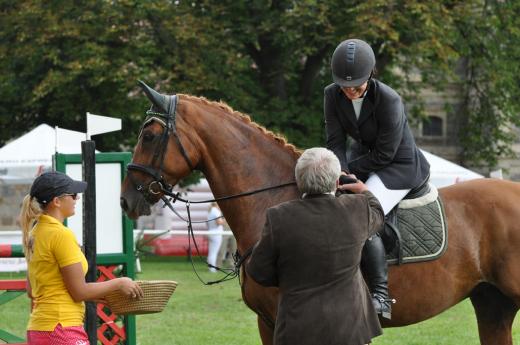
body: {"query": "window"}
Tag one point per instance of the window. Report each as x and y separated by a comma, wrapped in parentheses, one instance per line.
(432, 126)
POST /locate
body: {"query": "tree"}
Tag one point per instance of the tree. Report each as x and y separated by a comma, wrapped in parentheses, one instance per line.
(489, 42)
(59, 60)
(289, 45)
(268, 58)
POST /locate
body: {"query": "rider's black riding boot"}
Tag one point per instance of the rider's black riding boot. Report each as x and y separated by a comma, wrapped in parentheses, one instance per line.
(374, 266)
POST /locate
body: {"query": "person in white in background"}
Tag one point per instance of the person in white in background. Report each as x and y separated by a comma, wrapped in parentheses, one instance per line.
(228, 247)
(214, 241)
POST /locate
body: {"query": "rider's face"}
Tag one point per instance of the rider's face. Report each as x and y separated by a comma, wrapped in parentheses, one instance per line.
(355, 92)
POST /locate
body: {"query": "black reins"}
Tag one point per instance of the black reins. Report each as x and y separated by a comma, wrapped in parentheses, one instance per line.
(158, 185)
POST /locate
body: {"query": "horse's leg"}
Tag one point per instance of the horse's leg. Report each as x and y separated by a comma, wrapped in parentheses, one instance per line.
(495, 314)
(263, 301)
(266, 332)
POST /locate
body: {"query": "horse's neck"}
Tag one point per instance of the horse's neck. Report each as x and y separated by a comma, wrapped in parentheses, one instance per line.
(238, 157)
(231, 169)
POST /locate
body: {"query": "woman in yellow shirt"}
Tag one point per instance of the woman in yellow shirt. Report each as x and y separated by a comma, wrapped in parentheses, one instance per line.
(56, 265)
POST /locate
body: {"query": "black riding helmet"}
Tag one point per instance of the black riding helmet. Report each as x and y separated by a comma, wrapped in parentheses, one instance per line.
(352, 63)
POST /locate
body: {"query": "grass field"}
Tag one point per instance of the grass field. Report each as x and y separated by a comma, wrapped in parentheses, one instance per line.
(198, 314)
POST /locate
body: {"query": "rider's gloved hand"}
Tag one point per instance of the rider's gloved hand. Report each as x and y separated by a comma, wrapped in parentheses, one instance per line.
(348, 183)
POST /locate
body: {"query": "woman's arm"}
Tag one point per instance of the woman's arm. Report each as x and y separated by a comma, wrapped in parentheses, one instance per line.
(336, 136)
(391, 124)
(74, 279)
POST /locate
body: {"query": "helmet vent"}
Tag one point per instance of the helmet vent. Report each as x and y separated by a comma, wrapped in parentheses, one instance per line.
(351, 52)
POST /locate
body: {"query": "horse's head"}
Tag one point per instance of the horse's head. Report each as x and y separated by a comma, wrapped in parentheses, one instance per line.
(150, 173)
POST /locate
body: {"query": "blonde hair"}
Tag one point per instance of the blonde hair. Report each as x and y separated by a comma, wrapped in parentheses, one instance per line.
(29, 213)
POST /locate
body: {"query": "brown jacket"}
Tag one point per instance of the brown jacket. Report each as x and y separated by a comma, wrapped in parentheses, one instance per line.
(311, 248)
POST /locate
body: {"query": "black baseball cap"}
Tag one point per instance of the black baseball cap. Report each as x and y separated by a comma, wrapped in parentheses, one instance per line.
(51, 184)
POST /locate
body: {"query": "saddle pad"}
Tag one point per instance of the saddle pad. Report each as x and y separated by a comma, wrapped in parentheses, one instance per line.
(424, 233)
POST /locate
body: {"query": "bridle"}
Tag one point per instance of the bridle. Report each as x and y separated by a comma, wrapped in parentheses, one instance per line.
(158, 185)
(168, 121)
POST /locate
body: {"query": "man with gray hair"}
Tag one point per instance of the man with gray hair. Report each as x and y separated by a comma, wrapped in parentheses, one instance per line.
(310, 249)
(317, 171)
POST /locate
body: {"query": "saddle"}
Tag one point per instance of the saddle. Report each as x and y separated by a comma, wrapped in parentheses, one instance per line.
(416, 229)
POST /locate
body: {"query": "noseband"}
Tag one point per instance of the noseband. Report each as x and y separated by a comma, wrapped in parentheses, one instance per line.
(159, 184)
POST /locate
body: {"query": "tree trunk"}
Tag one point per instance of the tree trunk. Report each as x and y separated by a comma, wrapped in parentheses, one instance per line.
(270, 61)
(310, 71)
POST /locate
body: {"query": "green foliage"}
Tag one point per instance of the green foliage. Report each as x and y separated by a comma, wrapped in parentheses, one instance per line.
(269, 59)
(489, 42)
(59, 60)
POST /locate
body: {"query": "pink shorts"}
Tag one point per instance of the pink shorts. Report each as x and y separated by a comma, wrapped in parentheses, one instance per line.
(74, 335)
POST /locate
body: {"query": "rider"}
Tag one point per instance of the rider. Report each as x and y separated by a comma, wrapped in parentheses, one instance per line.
(383, 155)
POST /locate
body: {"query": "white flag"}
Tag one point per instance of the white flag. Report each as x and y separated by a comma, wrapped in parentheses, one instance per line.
(68, 141)
(97, 124)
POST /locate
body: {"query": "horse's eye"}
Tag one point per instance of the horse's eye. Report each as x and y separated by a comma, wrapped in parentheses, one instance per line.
(147, 136)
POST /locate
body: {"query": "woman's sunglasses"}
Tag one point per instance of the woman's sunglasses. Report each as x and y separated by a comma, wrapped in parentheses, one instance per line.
(74, 196)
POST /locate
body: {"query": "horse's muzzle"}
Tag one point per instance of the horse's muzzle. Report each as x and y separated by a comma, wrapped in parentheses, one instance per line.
(123, 203)
(133, 203)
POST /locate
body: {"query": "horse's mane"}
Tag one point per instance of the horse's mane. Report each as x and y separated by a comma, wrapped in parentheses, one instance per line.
(280, 139)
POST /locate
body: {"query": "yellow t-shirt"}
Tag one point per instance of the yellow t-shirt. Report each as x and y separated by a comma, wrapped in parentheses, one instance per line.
(54, 246)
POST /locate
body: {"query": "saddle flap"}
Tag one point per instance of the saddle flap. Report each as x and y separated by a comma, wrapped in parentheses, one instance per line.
(416, 232)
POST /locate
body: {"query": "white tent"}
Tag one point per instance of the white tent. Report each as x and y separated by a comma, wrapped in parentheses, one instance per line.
(25, 156)
(444, 173)
(21, 160)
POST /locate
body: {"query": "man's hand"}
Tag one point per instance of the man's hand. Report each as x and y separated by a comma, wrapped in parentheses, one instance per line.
(357, 187)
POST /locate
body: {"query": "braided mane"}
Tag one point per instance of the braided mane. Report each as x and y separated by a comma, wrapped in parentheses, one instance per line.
(280, 139)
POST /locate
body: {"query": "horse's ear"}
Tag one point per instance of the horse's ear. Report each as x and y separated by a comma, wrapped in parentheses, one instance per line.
(160, 101)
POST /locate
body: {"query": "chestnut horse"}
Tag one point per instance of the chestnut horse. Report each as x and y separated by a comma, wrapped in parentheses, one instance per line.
(482, 261)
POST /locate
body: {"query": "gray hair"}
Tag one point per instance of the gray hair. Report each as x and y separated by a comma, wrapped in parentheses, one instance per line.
(317, 171)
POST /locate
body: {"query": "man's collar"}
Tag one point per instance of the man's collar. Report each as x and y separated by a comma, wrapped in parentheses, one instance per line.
(310, 196)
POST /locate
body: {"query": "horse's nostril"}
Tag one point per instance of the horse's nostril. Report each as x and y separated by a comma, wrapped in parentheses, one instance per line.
(123, 204)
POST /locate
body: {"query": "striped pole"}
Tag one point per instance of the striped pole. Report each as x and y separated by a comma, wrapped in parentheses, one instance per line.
(13, 289)
(11, 251)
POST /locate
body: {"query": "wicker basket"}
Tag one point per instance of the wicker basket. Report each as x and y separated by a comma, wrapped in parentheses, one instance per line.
(155, 296)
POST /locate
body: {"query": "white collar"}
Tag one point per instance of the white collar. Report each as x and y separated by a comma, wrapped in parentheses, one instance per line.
(331, 193)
